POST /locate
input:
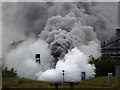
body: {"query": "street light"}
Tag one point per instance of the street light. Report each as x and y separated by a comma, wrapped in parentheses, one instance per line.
(63, 73)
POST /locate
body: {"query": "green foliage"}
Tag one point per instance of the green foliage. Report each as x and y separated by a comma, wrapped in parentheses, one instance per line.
(9, 73)
(104, 65)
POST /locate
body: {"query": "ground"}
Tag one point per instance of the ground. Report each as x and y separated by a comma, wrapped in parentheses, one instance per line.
(27, 83)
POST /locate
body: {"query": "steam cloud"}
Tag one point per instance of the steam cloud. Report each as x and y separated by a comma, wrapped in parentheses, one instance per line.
(68, 34)
(73, 63)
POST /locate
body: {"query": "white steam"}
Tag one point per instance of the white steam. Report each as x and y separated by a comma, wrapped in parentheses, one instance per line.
(23, 58)
(73, 63)
(91, 48)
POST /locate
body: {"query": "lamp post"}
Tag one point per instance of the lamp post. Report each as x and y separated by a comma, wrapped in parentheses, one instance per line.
(63, 73)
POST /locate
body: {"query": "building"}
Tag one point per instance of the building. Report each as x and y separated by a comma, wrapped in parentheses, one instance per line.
(113, 49)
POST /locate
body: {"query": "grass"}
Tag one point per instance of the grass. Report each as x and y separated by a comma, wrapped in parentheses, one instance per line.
(103, 79)
(23, 83)
(27, 83)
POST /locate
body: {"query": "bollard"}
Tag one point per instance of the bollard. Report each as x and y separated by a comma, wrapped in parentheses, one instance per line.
(83, 75)
(56, 86)
(110, 78)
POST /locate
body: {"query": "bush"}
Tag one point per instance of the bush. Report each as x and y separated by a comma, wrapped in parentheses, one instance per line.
(9, 73)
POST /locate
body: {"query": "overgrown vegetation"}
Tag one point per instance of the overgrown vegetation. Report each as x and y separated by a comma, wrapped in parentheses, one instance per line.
(104, 65)
(9, 73)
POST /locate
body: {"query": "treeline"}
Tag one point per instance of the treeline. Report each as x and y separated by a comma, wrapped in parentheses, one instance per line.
(9, 73)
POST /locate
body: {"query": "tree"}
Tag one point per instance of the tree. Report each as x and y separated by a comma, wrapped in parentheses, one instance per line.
(104, 65)
(9, 73)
